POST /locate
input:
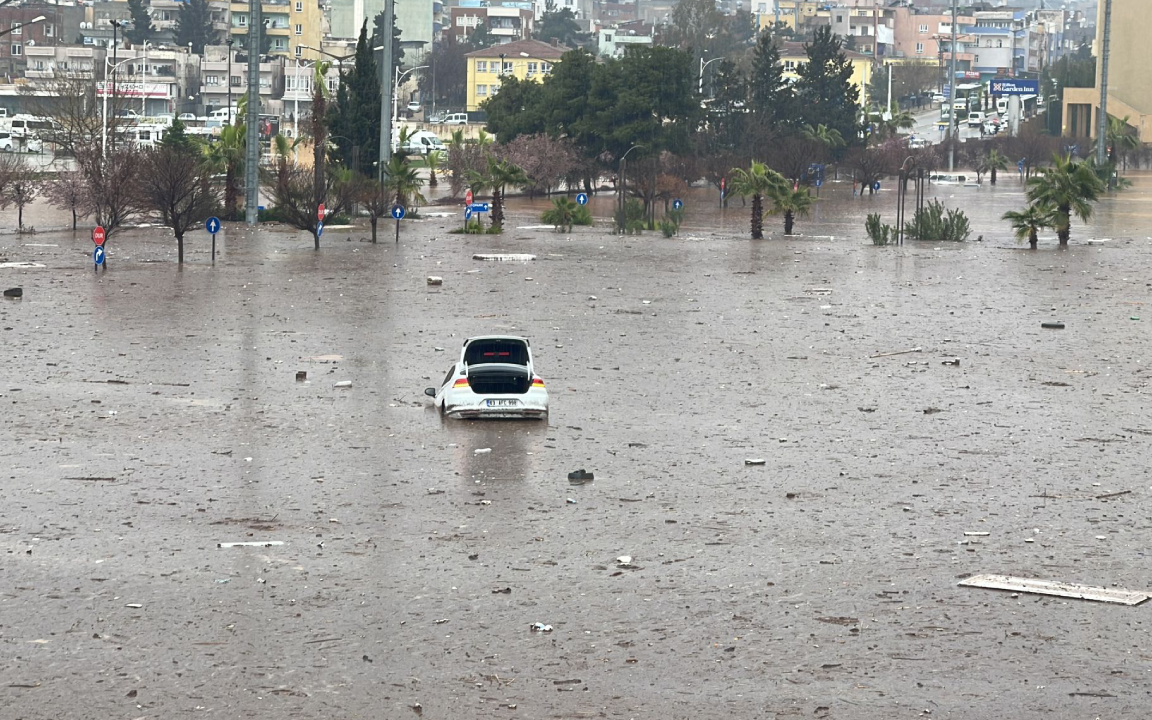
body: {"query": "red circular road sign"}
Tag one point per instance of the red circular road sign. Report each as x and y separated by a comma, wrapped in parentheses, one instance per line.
(98, 235)
(320, 212)
(468, 198)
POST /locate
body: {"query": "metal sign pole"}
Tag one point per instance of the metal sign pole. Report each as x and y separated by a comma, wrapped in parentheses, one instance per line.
(252, 132)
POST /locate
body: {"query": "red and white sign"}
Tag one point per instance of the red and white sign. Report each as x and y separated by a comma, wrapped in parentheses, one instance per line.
(320, 212)
(468, 198)
(98, 236)
(722, 184)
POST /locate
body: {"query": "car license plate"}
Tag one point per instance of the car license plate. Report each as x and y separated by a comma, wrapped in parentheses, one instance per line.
(503, 403)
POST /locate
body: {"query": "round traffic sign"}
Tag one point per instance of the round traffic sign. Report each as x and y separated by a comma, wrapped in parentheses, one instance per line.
(212, 225)
(98, 235)
(320, 212)
(468, 213)
(398, 212)
(582, 198)
(677, 204)
(98, 255)
(468, 198)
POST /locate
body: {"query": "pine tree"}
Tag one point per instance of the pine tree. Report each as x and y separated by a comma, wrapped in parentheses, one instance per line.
(355, 116)
(194, 26)
(769, 93)
(378, 38)
(141, 30)
(824, 91)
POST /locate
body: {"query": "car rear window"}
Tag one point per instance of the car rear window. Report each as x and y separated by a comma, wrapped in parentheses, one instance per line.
(511, 352)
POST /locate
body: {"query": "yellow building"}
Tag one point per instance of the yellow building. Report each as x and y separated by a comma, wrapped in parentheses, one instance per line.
(796, 14)
(524, 59)
(1129, 82)
(792, 56)
(289, 24)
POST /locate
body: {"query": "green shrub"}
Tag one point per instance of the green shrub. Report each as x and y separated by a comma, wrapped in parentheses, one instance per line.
(937, 223)
(561, 214)
(582, 216)
(667, 227)
(630, 219)
(473, 227)
(878, 233)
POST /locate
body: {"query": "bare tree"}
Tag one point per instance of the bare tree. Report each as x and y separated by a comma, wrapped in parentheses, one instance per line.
(870, 164)
(546, 161)
(176, 183)
(113, 195)
(75, 108)
(20, 183)
(375, 199)
(69, 192)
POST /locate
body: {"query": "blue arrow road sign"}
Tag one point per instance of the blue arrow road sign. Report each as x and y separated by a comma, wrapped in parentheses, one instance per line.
(398, 212)
(677, 204)
(212, 225)
(819, 182)
(98, 255)
(467, 213)
(479, 207)
(319, 229)
(582, 199)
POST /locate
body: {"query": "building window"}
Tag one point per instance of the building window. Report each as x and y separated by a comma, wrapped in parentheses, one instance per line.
(976, 59)
(545, 68)
(17, 50)
(299, 51)
(211, 79)
(923, 29)
(17, 29)
(790, 65)
(481, 66)
(507, 68)
(919, 48)
(481, 91)
(299, 6)
(299, 29)
(49, 31)
(235, 81)
(532, 68)
(242, 20)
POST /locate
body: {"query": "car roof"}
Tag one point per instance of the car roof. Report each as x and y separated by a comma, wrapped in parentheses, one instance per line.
(497, 337)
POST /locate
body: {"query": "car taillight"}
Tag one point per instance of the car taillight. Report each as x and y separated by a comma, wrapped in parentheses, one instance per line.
(460, 382)
(537, 382)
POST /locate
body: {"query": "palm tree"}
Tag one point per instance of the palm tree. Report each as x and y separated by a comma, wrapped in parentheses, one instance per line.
(791, 201)
(826, 136)
(434, 160)
(562, 214)
(1120, 138)
(1069, 188)
(1028, 223)
(501, 174)
(757, 181)
(993, 161)
(401, 182)
(227, 154)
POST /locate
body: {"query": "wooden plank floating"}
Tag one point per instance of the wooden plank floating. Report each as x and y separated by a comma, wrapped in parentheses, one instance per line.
(1059, 589)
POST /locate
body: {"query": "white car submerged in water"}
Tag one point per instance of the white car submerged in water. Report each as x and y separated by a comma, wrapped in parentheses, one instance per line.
(494, 378)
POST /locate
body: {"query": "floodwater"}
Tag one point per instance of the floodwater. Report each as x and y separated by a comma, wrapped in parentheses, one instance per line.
(152, 413)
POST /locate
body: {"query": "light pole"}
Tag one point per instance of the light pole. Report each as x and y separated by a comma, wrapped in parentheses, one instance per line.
(296, 108)
(396, 90)
(104, 131)
(952, 99)
(338, 58)
(1102, 120)
(229, 80)
(143, 77)
(700, 76)
(623, 183)
(19, 26)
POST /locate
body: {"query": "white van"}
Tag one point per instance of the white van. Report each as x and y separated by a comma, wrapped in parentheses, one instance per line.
(425, 142)
(975, 119)
(1002, 105)
(455, 119)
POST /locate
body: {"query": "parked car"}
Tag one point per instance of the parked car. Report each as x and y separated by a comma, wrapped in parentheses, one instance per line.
(185, 117)
(6, 144)
(915, 143)
(938, 97)
(495, 377)
(456, 119)
(414, 106)
(436, 118)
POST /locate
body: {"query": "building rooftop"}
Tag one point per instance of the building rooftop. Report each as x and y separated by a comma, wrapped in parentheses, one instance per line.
(528, 48)
(793, 49)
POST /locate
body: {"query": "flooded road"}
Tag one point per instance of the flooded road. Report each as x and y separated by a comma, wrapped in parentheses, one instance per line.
(151, 414)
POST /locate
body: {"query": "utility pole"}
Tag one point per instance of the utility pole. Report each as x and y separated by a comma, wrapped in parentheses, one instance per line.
(952, 126)
(230, 43)
(1102, 119)
(386, 72)
(252, 131)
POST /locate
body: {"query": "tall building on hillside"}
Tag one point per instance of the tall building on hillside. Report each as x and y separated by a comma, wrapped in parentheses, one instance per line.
(290, 25)
(420, 23)
(1129, 82)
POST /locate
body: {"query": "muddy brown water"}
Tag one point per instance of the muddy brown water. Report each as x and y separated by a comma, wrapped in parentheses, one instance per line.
(151, 413)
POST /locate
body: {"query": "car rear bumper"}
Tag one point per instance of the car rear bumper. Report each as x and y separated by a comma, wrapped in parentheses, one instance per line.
(467, 404)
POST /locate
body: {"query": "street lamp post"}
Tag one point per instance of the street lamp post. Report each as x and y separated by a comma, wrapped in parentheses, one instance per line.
(143, 78)
(623, 182)
(396, 89)
(228, 80)
(952, 119)
(104, 131)
(700, 76)
(21, 26)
